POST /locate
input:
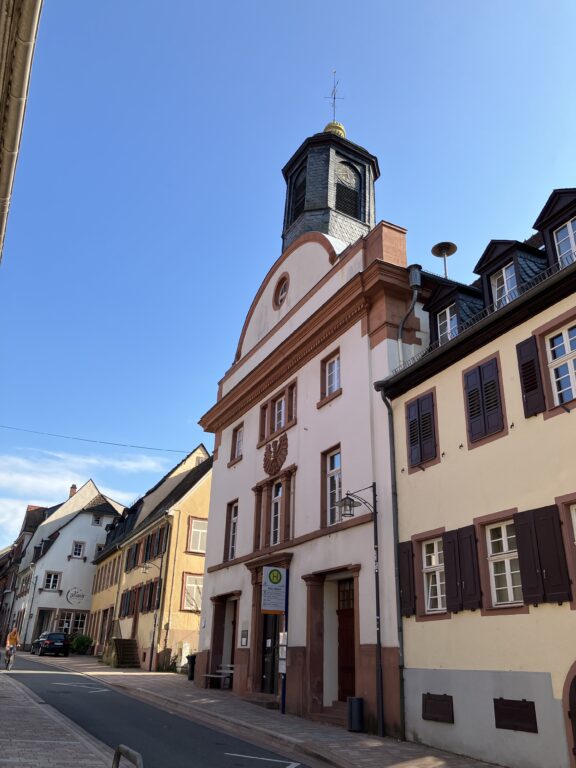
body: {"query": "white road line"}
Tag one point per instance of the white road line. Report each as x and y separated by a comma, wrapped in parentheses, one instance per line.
(267, 759)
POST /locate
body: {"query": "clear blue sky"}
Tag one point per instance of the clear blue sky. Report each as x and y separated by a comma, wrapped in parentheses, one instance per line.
(148, 200)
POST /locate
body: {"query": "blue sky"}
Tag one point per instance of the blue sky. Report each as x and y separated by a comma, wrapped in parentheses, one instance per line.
(148, 200)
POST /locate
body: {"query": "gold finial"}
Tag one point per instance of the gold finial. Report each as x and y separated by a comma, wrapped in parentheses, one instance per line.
(336, 128)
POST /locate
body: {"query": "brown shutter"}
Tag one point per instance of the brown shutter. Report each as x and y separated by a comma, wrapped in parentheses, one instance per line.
(515, 715)
(427, 427)
(552, 556)
(532, 585)
(530, 377)
(474, 405)
(493, 416)
(469, 571)
(406, 578)
(452, 571)
(158, 593)
(413, 430)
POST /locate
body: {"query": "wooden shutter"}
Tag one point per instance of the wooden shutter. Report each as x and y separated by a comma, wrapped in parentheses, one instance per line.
(452, 571)
(413, 431)
(427, 427)
(474, 405)
(437, 707)
(492, 402)
(551, 554)
(530, 377)
(515, 715)
(158, 593)
(469, 571)
(165, 530)
(532, 584)
(406, 576)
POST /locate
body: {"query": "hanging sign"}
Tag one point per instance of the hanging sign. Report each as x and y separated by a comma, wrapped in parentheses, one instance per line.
(273, 589)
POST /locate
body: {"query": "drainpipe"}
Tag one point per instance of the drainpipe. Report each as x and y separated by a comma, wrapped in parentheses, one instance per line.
(415, 282)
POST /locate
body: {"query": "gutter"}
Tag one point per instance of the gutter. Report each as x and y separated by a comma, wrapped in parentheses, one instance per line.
(20, 31)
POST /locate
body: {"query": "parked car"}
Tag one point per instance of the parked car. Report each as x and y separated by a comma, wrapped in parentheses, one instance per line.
(51, 642)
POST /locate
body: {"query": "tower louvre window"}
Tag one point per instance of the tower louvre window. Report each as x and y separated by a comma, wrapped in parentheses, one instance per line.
(348, 190)
(298, 195)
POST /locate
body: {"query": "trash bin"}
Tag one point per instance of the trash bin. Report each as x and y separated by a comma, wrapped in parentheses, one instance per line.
(191, 665)
(355, 714)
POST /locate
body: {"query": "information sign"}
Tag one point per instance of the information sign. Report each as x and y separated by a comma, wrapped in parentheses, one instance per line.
(273, 589)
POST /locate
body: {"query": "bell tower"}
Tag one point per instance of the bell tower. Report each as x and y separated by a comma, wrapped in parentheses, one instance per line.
(329, 188)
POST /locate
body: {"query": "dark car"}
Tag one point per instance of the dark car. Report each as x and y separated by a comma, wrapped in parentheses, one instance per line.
(51, 642)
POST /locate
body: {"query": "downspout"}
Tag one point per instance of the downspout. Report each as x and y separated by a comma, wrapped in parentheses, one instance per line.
(415, 281)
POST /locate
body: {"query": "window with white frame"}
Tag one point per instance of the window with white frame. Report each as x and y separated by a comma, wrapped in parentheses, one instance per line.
(278, 413)
(447, 324)
(433, 571)
(504, 285)
(561, 350)
(79, 623)
(192, 598)
(503, 563)
(78, 549)
(332, 373)
(237, 443)
(65, 621)
(275, 512)
(232, 529)
(565, 238)
(198, 531)
(51, 580)
(334, 486)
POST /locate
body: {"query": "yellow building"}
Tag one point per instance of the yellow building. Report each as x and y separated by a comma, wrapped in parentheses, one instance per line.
(148, 585)
(485, 442)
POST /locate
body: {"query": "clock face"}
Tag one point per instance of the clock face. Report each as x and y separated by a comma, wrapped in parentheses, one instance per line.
(347, 176)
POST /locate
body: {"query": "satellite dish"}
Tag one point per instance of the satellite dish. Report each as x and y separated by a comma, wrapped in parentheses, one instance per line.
(442, 251)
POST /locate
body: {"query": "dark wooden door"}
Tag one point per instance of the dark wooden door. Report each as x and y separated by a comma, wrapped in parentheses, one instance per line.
(572, 712)
(134, 632)
(346, 651)
(270, 654)
(234, 620)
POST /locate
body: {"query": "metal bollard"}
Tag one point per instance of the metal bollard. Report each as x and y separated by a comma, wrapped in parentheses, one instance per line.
(123, 751)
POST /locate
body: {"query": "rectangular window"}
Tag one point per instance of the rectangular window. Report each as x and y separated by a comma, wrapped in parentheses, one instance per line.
(433, 571)
(561, 351)
(192, 598)
(78, 549)
(334, 486)
(65, 622)
(96, 520)
(505, 582)
(237, 443)
(333, 375)
(79, 623)
(51, 580)
(565, 238)
(198, 531)
(275, 512)
(421, 429)
(447, 324)
(504, 285)
(231, 531)
(278, 413)
(483, 401)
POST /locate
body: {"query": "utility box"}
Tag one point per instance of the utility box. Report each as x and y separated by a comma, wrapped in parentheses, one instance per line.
(355, 714)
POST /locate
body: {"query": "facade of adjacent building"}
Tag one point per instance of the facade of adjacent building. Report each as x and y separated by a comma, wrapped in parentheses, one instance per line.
(485, 442)
(147, 588)
(295, 426)
(55, 573)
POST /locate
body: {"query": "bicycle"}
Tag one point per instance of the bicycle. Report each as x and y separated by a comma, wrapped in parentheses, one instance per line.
(9, 657)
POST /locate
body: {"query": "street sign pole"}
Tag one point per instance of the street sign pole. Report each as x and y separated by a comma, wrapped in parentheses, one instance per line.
(283, 695)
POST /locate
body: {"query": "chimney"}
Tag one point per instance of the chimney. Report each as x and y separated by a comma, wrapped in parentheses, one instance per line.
(73, 490)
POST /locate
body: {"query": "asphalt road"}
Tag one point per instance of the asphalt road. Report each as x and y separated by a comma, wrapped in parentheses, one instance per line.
(164, 740)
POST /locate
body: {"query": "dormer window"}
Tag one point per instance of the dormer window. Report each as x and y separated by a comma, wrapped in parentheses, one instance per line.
(565, 239)
(447, 324)
(503, 285)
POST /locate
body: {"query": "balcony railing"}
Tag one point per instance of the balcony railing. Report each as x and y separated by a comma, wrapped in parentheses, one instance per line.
(565, 261)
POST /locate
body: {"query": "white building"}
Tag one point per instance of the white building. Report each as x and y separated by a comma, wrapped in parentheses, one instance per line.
(54, 583)
(297, 423)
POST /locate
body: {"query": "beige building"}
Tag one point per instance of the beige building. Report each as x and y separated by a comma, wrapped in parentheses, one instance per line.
(148, 585)
(485, 442)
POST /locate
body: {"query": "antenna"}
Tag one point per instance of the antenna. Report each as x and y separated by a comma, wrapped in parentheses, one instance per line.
(442, 251)
(333, 97)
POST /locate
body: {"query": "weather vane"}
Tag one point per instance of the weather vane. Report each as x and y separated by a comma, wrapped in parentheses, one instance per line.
(333, 96)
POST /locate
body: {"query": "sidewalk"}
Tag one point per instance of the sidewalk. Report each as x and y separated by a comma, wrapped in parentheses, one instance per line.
(225, 712)
(33, 735)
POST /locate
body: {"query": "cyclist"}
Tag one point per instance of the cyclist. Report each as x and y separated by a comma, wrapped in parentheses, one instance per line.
(12, 641)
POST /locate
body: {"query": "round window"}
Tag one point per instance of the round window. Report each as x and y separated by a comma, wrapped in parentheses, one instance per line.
(281, 291)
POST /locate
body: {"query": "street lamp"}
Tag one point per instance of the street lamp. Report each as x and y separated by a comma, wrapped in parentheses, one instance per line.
(347, 504)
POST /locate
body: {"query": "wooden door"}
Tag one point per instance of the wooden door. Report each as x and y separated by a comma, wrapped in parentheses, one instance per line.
(572, 712)
(269, 654)
(134, 632)
(346, 645)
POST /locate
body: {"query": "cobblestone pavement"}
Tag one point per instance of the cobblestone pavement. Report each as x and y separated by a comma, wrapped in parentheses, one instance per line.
(224, 711)
(33, 735)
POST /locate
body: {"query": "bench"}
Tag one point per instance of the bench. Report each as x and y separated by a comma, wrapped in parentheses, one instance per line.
(224, 673)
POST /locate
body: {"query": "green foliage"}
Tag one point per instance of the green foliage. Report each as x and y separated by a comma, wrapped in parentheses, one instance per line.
(80, 643)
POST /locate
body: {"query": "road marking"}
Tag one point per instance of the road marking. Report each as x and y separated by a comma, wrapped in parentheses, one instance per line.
(91, 688)
(267, 759)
